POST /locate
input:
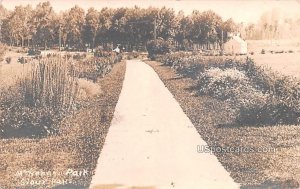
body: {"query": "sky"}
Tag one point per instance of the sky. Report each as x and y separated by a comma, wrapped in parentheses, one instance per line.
(240, 10)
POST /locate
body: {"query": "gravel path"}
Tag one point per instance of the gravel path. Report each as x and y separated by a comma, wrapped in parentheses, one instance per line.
(152, 143)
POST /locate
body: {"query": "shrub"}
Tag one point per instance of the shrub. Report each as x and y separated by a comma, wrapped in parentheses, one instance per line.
(157, 48)
(22, 50)
(279, 52)
(263, 51)
(96, 67)
(33, 122)
(135, 54)
(260, 95)
(2, 51)
(88, 89)
(223, 84)
(253, 105)
(100, 52)
(34, 52)
(23, 60)
(8, 60)
(79, 56)
(273, 111)
(191, 65)
(131, 55)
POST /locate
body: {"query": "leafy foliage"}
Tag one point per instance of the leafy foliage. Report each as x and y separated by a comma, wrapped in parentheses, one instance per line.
(133, 27)
(259, 95)
(158, 47)
(94, 68)
(2, 51)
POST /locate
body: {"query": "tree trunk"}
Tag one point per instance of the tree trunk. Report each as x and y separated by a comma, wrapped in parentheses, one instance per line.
(45, 44)
(93, 45)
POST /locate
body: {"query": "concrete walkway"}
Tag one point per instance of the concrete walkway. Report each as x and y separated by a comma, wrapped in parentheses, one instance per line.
(152, 144)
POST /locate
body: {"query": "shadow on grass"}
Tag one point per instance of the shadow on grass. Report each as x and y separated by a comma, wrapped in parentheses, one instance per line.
(70, 186)
(250, 125)
(117, 186)
(176, 78)
(274, 185)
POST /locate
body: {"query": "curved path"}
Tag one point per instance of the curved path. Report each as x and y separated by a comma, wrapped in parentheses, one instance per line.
(152, 143)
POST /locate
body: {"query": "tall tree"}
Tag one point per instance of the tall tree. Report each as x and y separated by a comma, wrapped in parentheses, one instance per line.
(105, 23)
(43, 24)
(74, 23)
(91, 28)
(19, 22)
(228, 27)
(183, 30)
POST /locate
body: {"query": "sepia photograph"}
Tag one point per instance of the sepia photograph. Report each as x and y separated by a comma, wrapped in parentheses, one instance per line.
(149, 94)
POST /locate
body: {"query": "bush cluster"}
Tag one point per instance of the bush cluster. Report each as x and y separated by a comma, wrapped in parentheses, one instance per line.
(29, 122)
(95, 67)
(157, 47)
(260, 95)
(2, 51)
(34, 52)
(101, 52)
(8, 60)
(132, 55)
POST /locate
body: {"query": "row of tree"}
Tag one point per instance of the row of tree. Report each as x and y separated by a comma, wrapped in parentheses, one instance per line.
(132, 27)
(272, 24)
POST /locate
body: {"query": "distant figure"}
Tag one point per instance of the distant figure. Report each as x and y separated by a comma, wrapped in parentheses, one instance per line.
(117, 50)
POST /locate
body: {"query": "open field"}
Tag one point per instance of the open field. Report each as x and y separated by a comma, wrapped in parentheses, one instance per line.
(285, 63)
(274, 45)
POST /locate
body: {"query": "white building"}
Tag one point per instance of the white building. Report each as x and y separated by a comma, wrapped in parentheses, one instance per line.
(235, 45)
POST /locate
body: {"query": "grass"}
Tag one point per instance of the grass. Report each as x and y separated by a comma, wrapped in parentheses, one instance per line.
(287, 63)
(273, 45)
